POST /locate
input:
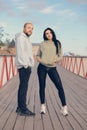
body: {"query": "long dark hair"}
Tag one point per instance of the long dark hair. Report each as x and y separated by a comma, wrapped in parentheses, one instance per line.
(56, 42)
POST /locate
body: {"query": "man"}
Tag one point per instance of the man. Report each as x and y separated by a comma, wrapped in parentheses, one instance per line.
(24, 62)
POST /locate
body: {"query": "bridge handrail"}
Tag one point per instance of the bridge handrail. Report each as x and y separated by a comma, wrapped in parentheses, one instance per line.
(75, 64)
(8, 69)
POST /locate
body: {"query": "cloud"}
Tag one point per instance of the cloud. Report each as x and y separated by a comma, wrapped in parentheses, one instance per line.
(33, 5)
(66, 12)
(11, 13)
(3, 6)
(21, 7)
(50, 9)
(3, 24)
(47, 10)
(59, 12)
(15, 0)
(28, 6)
(25, 13)
(78, 1)
(6, 8)
(55, 10)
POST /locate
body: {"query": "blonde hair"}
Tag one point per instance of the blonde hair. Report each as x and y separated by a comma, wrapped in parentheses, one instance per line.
(27, 23)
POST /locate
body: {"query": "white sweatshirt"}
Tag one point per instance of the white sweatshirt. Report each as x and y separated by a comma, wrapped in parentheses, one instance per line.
(24, 53)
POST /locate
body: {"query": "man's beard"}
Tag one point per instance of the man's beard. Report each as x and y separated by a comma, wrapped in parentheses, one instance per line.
(27, 34)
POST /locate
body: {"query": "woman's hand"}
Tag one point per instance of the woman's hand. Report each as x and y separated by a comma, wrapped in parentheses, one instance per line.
(55, 59)
(40, 60)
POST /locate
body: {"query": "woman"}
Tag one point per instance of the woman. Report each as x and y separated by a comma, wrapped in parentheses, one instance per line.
(49, 53)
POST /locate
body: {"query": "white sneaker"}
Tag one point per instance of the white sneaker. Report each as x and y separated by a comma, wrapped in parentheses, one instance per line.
(64, 110)
(43, 109)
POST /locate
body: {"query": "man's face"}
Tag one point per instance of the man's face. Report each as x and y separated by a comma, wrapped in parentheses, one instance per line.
(28, 29)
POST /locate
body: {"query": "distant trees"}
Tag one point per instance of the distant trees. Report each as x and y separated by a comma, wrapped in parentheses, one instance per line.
(12, 43)
(5, 35)
(1, 34)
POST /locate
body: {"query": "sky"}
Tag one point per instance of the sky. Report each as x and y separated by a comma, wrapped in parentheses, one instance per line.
(68, 18)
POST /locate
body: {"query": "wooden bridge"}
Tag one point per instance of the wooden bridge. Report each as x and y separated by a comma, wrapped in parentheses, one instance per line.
(76, 95)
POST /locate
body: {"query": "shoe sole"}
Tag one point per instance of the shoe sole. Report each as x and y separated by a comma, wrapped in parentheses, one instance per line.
(42, 113)
(22, 114)
(64, 114)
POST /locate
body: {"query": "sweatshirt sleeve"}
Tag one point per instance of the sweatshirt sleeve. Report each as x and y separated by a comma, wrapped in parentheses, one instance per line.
(21, 58)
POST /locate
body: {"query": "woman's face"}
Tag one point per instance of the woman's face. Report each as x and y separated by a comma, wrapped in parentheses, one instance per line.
(48, 35)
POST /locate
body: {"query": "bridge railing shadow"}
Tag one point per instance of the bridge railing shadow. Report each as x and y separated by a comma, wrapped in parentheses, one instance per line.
(75, 64)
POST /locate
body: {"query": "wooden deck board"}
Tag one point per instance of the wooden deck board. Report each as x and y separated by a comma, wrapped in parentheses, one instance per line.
(75, 89)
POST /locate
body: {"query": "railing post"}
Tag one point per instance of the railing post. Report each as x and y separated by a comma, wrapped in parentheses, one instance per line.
(6, 68)
(86, 75)
(2, 72)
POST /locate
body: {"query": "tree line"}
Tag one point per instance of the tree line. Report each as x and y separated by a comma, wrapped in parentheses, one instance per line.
(4, 38)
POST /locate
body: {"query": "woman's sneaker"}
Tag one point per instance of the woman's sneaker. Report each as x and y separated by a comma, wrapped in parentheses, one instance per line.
(43, 109)
(64, 110)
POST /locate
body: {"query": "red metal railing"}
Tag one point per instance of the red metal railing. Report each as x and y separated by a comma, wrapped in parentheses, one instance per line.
(75, 64)
(7, 68)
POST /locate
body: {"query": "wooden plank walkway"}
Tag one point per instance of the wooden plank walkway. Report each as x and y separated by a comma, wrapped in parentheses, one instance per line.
(76, 94)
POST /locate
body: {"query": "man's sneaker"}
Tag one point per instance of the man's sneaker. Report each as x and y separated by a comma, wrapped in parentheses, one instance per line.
(64, 110)
(43, 109)
(27, 112)
(18, 110)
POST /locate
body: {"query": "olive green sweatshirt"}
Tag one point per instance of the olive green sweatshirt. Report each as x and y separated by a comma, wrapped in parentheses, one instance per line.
(47, 53)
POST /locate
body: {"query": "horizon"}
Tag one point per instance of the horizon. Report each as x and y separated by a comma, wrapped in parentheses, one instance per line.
(67, 18)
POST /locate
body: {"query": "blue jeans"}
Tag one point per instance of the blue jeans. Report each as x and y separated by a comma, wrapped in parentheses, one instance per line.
(54, 76)
(24, 74)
